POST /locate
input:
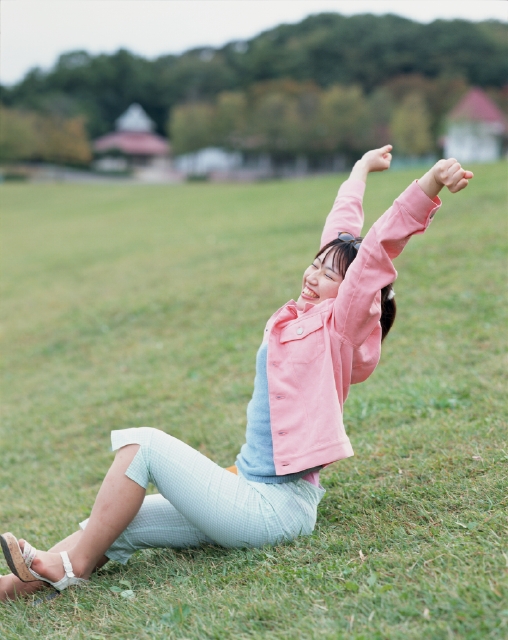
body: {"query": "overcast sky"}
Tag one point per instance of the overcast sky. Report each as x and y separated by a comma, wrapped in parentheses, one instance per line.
(35, 32)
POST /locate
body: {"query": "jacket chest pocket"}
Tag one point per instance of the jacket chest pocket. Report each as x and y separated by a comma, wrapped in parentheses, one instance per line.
(304, 340)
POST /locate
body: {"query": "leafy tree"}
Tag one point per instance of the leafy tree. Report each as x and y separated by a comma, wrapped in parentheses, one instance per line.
(195, 76)
(274, 124)
(231, 119)
(64, 141)
(380, 107)
(410, 126)
(28, 135)
(343, 120)
(17, 135)
(282, 117)
(192, 127)
(440, 95)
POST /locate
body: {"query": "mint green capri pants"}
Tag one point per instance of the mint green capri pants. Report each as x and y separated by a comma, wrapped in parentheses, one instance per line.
(200, 502)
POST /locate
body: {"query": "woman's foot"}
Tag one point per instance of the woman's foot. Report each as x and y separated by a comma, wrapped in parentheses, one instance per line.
(49, 564)
(21, 559)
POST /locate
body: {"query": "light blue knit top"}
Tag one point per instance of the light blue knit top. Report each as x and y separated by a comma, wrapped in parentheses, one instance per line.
(255, 460)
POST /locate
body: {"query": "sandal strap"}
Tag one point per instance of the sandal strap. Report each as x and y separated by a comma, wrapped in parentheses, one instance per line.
(28, 554)
(69, 571)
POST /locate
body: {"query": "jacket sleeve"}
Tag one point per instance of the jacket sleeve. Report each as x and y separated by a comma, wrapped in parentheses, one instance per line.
(357, 308)
(346, 213)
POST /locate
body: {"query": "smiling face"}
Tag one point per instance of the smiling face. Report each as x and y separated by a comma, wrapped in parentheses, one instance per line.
(320, 280)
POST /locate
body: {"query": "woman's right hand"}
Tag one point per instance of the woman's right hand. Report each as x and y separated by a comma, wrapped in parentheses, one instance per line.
(378, 159)
(374, 160)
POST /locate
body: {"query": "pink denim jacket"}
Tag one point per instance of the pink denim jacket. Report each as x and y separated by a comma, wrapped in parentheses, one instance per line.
(315, 355)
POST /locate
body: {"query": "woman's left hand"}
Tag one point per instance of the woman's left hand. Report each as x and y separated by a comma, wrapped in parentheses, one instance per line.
(445, 173)
(450, 174)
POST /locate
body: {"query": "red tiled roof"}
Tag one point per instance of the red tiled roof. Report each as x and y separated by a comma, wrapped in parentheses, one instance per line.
(133, 143)
(476, 105)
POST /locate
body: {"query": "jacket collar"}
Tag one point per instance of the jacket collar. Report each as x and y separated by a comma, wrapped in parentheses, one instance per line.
(290, 310)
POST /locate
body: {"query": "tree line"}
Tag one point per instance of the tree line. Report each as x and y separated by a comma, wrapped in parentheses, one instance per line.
(32, 136)
(287, 119)
(322, 59)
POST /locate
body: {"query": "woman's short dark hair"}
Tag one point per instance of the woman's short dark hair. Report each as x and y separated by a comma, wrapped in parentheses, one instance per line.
(343, 255)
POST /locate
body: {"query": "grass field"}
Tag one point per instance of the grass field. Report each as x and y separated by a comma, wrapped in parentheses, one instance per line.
(116, 312)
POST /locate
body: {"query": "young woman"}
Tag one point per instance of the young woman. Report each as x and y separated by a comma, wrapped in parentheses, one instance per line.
(313, 350)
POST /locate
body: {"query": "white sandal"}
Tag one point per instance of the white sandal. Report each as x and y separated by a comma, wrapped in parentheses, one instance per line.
(20, 562)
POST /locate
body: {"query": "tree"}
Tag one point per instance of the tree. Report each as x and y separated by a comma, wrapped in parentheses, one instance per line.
(282, 116)
(343, 120)
(274, 124)
(64, 141)
(231, 119)
(410, 126)
(192, 127)
(17, 135)
(326, 49)
(380, 105)
(27, 135)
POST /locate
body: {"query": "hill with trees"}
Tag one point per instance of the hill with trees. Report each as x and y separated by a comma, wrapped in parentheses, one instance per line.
(386, 68)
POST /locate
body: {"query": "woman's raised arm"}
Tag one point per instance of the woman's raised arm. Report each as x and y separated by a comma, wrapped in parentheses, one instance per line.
(357, 304)
(347, 210)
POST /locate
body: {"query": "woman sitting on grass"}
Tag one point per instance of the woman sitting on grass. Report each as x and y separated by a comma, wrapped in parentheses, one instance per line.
(312, 351)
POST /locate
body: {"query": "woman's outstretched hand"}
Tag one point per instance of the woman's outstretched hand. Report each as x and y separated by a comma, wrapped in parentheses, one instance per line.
(374, 160)
(378, 159)
(445, 173)
(450, 174)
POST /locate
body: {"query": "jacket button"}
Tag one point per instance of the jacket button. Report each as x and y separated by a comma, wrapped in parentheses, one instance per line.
(274, 364)
(285, 464)
(299, 331)
(282, 433)
(280, 397)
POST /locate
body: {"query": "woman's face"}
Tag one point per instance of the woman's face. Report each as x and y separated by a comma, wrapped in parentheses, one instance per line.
(320, 281)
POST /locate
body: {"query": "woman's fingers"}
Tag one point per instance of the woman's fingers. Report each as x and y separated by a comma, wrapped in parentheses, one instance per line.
(452, 175)
(452, 172)
(460, 180)
(453, 188)
(378, 159)
(461, 184)
(455, 174)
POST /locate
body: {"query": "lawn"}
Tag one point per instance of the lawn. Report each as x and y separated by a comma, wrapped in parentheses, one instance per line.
(125, 306)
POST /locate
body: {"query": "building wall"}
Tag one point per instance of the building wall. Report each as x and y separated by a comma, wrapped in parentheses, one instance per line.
(206, 160)
(473, 142)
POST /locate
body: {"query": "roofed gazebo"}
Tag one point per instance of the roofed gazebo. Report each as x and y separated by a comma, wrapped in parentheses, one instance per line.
(133, 144)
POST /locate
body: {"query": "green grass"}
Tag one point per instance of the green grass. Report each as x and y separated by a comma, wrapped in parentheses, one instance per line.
(125, 306)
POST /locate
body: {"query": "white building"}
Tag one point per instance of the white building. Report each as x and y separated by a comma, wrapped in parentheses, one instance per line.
(205, 161)
(477, 129)
(218, 164)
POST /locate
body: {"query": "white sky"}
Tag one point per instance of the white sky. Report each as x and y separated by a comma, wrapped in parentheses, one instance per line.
(35, 32)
